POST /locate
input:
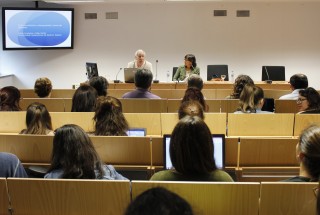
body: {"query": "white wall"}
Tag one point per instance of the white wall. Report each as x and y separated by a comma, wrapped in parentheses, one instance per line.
(276, 34)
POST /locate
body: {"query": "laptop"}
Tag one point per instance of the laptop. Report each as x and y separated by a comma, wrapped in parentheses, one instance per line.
(129, 74)
(137, 132)
(219, 151)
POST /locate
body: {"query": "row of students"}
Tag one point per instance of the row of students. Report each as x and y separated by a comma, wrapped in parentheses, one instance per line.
(191, 151)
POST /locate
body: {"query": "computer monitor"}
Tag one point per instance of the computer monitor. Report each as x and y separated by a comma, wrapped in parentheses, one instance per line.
(273, 73)
(92, 70)
(219, 151)
(137, 132)
(215, 71)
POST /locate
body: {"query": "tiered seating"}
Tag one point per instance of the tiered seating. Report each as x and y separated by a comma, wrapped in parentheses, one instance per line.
(210, 198)
(65, 197)
(287, 198)
(302, 121)
(215, 121)
(285, 106)
(267, 159)
(45, 196)
(4, 201)
(260, 124)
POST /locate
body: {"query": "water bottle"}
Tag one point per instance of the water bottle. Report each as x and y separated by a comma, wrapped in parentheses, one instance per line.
(232, 76)
(168, 76)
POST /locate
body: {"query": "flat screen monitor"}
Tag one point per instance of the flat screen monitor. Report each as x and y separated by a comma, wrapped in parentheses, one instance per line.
(215, 72)
(219, 151)
(92, 70)
(37, 28)
(274, 73)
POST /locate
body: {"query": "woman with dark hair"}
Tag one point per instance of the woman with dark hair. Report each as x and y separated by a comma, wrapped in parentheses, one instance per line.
(308, 155)
(38, 120)
(74, 157)
(238, 86)
(84, 99)
(100, 84)
(191, 152)
(194, 94)
(251, 100)
(43, 87)
(308, 101)
(159, 201)
(9, 99)
(191, 108)
(109, 119)
(190, 67)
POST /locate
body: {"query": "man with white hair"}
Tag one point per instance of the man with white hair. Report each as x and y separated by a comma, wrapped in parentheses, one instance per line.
(140, 62)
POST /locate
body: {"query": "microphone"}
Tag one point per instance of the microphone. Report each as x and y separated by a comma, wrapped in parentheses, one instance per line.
(117, 81)
(155, 81)
(268, 81)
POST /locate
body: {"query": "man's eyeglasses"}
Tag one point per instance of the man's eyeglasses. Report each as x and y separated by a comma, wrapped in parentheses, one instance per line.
(300, 100)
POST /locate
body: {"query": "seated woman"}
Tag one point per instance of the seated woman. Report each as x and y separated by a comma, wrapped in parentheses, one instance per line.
(191, 153)
(9, 99)
(74, 157)
(43, 87)
(109, 119)
(84, 99)
(194, 94)
(308, 155)
(38, 120)
(190, 67)
(191, 108)
(238, 86)
(99, 83)
(308, 101)
(251, 100)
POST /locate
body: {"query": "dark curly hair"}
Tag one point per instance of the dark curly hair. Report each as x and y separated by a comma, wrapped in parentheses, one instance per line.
(239, 83)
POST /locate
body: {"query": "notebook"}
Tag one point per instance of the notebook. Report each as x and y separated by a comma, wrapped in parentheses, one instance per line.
(219, 151)
(129, 74)
(137, 132)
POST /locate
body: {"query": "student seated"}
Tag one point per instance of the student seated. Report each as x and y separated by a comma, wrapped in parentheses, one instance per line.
(38, 120)
(251, 100)
(308, 155)
(195, 81)
(9, 99)
(74, 157)
(194, 94)
(108, 117)
(191, 153)
(308, 101)
(191, 108)
(142, 80)
(10, 166)
(84, 99)
(43, 87)
(297, 82)
(159, 201)
(239, 83)
(99, 83)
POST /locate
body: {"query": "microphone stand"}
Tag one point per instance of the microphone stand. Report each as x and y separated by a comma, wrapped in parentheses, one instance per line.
(117, 81)
(268, 81)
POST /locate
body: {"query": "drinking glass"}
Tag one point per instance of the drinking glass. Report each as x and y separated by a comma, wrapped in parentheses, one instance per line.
(223, 77)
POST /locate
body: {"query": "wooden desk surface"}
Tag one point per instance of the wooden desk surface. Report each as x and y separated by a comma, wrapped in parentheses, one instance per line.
(278, 85)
